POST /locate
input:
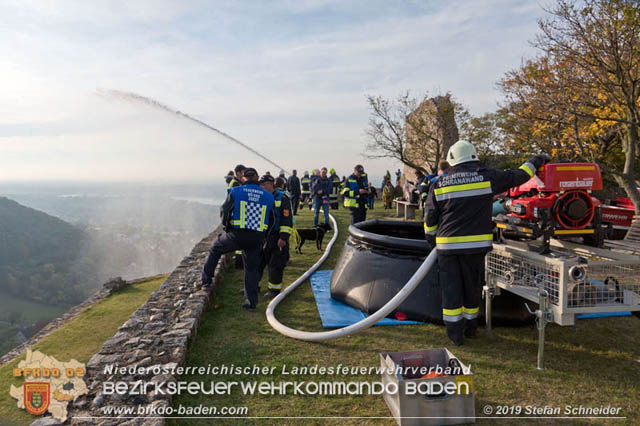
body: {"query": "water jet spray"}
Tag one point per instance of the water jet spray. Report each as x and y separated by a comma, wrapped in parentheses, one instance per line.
(133, 97)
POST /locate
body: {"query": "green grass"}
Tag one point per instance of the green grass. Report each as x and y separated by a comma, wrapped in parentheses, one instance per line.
(79, 338)
(595, 363)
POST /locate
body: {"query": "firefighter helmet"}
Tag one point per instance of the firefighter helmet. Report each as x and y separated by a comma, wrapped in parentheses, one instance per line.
(461, 152)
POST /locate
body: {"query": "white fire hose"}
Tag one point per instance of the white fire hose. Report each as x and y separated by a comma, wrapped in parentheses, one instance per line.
(385, 310)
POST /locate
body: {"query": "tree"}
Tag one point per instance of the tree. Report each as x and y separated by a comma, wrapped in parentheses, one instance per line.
(581, 96)
(417, 134)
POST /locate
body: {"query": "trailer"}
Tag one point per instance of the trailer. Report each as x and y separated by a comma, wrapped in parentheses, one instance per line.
(568, 281)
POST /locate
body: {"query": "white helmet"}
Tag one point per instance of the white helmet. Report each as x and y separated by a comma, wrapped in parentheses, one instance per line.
(461, 152)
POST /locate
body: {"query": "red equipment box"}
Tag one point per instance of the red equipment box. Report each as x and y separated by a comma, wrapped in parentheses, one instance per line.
(558, 177)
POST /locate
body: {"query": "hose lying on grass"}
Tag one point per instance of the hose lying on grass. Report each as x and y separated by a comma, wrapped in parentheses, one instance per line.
(385, 310)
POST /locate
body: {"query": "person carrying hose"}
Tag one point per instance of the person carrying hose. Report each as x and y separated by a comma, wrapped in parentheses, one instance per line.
(457, 221)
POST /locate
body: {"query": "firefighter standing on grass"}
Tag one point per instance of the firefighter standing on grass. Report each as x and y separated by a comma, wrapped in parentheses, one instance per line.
(275, 251)
(246, 216)
(355, 193)
(335, 189)
(458, 223)
(237, 180)
(305, 182)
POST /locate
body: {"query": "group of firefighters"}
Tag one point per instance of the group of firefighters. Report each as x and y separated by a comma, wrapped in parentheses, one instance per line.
(323, 188)
(457, 203)
(257, 217)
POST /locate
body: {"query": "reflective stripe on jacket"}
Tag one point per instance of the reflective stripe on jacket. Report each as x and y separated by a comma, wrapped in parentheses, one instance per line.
(305, 182)
(282, 212)
(459, 205)
(351, 191)
(251, 207)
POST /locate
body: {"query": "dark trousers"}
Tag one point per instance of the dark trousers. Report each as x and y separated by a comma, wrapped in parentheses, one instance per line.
(461, 278)
(333, 202)
(247, 241)
(306, 198)
(370, 202)
(295, 200)
(318, 203)
(275, 259)
(358, 214)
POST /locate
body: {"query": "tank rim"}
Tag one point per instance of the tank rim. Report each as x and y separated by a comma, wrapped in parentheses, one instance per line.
(359, 232)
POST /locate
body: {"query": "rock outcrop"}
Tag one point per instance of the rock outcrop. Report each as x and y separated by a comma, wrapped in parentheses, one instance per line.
(431, 130)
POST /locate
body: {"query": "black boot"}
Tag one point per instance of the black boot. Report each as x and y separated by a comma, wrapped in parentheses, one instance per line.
(271, 294)
(470, 328)
(455, 332)
(248, 306)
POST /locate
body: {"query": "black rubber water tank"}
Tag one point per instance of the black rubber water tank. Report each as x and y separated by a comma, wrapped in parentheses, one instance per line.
(378, 259)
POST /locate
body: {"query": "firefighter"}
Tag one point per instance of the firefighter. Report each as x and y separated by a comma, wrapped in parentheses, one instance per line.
(293, 186)
(246, 216)
(232, 183)
(275, 250)
(238, 178)
(458, 223)
(422, 187)
(305, 182)
(315, 175)
(335, 189)
(355, 194)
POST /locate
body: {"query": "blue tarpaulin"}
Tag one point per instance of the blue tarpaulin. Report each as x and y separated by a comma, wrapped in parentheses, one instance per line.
(336, 314)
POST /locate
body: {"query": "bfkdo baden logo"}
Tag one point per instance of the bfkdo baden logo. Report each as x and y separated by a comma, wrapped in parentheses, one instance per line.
(49, 384)
(36, 397)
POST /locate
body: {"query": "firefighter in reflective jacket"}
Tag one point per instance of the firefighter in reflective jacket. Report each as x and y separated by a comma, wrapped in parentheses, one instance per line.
(275, 250)
(236, 180)
(335, 189)
(246, 216)
(355, 194)
(458, 222)
(305, 182)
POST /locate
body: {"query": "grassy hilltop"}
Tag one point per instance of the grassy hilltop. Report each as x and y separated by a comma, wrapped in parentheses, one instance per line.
(597, 362)
(594, 363)
(79, 338)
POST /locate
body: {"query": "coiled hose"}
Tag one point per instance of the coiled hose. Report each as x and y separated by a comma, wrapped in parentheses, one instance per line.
(385, 310)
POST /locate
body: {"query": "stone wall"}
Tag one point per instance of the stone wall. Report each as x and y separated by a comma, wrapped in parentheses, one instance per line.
(156, 335)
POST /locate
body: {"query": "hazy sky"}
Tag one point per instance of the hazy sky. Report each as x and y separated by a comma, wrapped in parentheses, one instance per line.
(286, 77)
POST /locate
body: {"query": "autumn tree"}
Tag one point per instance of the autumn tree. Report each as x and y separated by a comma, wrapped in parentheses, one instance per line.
(581, 96)
(416, 132)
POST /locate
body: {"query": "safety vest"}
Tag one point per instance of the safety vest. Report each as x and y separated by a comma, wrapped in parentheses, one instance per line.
(305, 182)
(351, 192)
(233, 183)
(251, 207)
(365, 179)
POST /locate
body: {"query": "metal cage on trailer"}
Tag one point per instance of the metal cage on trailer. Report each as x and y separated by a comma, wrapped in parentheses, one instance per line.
(569, 281)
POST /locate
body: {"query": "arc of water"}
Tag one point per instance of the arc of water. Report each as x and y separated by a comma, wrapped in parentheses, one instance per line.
(134, 97)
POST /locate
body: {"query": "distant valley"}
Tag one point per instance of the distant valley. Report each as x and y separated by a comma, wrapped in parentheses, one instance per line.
(57, 246)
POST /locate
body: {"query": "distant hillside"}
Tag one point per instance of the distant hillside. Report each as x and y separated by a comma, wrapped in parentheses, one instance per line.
(37, 255)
